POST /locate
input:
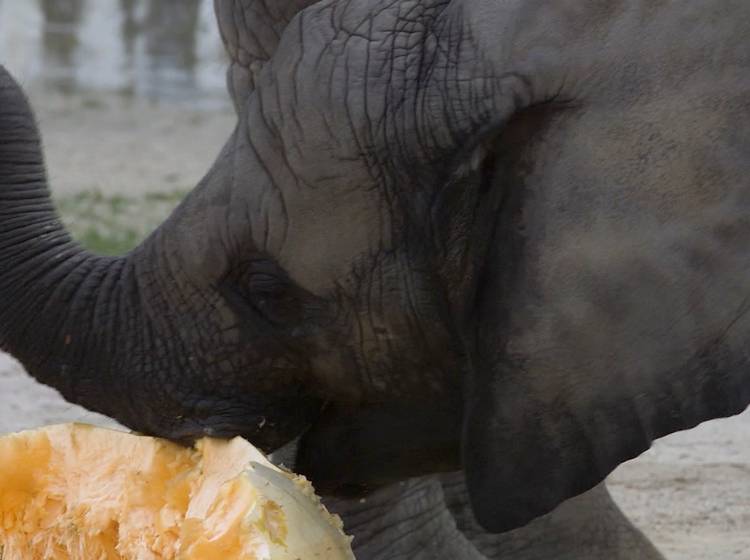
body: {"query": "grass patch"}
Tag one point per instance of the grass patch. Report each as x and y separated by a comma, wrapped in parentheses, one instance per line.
(115, 224)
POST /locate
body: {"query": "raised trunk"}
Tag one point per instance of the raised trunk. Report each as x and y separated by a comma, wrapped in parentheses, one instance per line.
(161, 339)
(52, 291)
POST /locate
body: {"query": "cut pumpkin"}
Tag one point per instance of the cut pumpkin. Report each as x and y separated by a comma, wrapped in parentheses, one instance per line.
(78, 492)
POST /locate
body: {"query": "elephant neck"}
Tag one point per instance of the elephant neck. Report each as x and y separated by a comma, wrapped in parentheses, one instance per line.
(431, 518)
(408, 519)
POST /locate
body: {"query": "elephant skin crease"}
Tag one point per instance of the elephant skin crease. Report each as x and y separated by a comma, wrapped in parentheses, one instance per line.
(506, 239)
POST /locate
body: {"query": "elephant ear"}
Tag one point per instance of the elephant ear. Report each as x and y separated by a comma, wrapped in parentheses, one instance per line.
(597, 329)
(251, 30)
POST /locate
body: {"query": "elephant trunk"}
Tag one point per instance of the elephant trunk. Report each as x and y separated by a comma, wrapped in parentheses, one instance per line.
(50, 287)
(160, 339)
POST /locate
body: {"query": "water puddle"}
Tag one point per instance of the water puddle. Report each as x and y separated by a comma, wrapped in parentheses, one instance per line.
(162, 50)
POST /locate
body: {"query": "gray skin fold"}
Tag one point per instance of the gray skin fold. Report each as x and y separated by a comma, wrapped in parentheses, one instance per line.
(507, 240)
(431, 517)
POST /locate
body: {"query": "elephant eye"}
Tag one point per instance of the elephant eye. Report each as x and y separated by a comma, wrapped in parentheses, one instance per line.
(266, 285)
(272, 296)
(265, 288)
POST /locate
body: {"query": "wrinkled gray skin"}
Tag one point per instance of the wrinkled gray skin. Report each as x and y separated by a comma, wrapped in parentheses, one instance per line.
(430, 518)
(507, 238)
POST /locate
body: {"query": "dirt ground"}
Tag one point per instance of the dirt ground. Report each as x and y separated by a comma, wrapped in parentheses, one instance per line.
(690, 493)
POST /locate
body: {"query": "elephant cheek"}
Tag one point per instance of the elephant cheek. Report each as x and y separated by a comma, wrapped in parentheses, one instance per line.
(352, 451)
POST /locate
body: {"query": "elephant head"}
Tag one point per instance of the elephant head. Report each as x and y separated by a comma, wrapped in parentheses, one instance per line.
(504, 237)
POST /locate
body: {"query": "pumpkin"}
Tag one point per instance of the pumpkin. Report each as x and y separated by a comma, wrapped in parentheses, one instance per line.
(79, 492)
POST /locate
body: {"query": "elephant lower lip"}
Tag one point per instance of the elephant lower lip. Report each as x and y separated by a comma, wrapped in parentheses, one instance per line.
(286, 455)
(261, 434)
(351, 491)
(188, 435)
(189, 432)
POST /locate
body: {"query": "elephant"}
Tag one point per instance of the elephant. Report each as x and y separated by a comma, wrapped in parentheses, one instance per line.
(465, 257)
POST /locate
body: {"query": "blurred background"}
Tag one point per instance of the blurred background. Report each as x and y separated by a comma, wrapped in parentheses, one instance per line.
(130, 96)
(130, 99)
(165, 50)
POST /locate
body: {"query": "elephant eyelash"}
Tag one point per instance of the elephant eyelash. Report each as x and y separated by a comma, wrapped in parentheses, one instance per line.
(260, 288)
(251, 285)
(267, 285)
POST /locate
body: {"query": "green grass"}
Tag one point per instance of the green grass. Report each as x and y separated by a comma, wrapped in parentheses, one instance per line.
(114, 224)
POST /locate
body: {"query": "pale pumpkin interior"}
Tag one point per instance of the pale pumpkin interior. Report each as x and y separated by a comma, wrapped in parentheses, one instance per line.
(74, 492)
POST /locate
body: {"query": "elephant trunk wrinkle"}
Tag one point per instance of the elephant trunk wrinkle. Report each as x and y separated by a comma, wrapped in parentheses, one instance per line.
(60, 305)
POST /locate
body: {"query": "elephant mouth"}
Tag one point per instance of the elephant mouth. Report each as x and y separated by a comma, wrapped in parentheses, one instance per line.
(268, 431)
(191, 431)
(352, 451)
(188, 432)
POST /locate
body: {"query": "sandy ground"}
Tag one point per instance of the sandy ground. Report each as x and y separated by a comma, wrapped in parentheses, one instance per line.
(690, 493)
(126, 145)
